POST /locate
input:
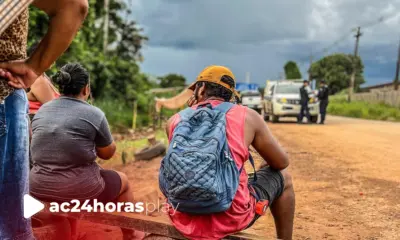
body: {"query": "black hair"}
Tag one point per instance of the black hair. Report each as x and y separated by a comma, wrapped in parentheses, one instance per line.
(216, 90)
(71, 79)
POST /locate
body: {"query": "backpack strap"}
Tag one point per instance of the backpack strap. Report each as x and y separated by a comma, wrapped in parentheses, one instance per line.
(252, 191)
(224, 107)
(254, 168)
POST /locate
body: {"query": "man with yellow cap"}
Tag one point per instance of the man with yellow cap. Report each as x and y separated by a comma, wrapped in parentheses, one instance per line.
(209, 144)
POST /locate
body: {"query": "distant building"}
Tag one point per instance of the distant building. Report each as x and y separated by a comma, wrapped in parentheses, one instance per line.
(378, 87)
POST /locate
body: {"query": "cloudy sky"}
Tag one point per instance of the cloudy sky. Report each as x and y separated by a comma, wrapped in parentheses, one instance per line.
(259, 36)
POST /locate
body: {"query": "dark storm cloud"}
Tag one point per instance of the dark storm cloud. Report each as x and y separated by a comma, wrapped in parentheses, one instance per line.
(259, 36)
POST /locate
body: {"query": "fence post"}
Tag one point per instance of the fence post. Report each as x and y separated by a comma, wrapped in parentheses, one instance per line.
(134, 115)
(159, 118)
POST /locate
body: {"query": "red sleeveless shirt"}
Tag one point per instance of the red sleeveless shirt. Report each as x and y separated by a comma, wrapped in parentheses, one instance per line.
(35, 105)
(242, 210)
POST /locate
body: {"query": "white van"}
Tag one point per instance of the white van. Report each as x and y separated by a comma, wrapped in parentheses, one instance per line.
(282, 99)
(252, 99)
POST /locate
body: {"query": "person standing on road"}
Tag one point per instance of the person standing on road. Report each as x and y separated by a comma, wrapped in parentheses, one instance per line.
(16, 73)
(323, 96)
(304, 99)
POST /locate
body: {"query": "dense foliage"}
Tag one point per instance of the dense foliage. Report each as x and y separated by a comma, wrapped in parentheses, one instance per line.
(115, 75)
(172, 80)
(292, 70)
(336, 70)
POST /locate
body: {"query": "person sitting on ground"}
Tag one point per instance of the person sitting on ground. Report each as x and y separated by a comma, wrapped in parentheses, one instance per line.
(68, 135)
(41, 91)
(214, 87)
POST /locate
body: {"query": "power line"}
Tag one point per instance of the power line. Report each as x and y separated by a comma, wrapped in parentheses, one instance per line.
(346, 35)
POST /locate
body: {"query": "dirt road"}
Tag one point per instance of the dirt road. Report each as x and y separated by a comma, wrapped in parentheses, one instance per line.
(346, 176)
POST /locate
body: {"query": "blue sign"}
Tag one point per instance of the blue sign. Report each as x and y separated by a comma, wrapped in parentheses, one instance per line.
(246, 86)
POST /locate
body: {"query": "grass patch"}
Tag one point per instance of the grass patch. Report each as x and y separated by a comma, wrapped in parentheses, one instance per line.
(130, 147)
(340, 107)
(120, 114)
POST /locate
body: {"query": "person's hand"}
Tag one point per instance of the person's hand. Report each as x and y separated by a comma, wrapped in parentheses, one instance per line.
(192, 101)
(20, 74)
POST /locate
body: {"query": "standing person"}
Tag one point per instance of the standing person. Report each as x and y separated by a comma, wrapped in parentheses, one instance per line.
(304, 99)
(66, 16)
(235, 130)
(323, 96)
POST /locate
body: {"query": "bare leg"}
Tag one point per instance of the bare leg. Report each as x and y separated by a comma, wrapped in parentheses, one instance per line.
(283, 209)
(125, 195)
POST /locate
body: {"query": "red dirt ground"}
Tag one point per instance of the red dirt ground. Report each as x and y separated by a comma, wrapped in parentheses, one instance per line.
(346, 176)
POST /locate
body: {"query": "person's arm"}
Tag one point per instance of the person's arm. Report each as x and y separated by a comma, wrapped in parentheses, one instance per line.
(167, 126)
(265, 143)
(172, 121)
(42, 91)
(66, 17)
(107, 152)
(105, 145)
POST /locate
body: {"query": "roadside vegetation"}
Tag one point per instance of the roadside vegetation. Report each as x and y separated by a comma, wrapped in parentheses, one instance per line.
(128, 147)
(339, 106)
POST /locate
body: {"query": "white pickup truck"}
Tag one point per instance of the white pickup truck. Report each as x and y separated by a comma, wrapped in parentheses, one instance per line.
(252, 99)
(282, 99)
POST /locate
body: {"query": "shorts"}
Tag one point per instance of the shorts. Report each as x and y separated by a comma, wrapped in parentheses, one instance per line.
(269, 186)
(112, 186)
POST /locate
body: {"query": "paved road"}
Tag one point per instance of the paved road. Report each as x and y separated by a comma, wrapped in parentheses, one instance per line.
(347, 178)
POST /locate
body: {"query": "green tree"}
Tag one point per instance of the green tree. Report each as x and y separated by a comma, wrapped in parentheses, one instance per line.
(336, 70)
(292, 70)
(116, 70)
(172, 80)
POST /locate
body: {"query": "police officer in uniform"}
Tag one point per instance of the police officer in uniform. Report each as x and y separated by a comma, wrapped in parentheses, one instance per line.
(323, 96)
(304, 99)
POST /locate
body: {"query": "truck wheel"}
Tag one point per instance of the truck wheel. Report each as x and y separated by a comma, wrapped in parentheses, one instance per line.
(314, 119)
(275, 119)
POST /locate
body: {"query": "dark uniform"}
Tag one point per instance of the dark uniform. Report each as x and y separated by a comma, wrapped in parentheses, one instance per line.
(323, 96)
(304, 99)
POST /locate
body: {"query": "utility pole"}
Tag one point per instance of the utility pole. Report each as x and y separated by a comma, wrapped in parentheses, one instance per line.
(353, 74)
(281, 76)
(105, 26)
(247, 77)
(396, 77)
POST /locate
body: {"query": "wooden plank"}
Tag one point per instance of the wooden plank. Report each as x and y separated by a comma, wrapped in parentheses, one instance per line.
(156, 225)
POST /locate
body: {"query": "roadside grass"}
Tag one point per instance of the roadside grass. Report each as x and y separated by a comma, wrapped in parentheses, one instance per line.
(120, 114)
(339, 106)
(130, 147)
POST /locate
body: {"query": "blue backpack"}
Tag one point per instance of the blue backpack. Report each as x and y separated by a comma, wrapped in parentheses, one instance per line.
(198, 175)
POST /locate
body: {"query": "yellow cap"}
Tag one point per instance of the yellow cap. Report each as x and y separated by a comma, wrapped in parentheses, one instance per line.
(214, 74)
